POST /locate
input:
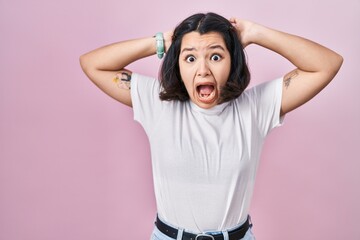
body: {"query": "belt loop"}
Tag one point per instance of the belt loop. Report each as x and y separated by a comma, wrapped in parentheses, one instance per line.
(225, 234)
(180, 234)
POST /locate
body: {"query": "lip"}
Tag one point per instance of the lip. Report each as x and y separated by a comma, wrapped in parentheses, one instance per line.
(213, 95)
(205, 83)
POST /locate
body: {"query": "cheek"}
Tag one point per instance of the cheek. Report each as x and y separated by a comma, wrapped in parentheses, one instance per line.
(182, 71)
(186, 75)
(222, 75)
(184, 68)
(227, 75)
(188, 85)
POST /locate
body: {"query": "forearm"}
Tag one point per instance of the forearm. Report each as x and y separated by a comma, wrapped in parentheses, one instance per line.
(306, 55)
(117, 56)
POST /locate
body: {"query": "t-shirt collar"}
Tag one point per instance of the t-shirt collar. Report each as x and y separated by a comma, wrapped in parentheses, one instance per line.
(216, 110)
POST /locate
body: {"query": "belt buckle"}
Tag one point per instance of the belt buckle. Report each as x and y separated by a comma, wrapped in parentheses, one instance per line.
(204, 236)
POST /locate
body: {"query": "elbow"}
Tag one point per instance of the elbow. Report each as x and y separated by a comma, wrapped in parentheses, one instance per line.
(338, 61)
(83, 62)
(86, 65)
(336, 64)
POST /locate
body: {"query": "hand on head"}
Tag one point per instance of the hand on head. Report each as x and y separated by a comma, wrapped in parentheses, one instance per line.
(168, 39)
(243, 29)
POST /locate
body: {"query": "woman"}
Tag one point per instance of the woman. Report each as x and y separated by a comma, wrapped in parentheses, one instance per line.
(205, 130)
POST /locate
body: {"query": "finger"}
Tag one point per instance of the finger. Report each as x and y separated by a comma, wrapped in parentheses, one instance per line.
(232, 20)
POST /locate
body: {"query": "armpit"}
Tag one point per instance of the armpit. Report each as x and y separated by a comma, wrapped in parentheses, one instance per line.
(288, 77)
(123, 79)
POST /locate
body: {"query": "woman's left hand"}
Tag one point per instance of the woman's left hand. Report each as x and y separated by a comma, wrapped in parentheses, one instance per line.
(244, 29)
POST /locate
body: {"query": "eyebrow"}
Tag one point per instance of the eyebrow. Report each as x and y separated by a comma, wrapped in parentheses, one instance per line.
(211, 47)
(216, 47)
(188, 49)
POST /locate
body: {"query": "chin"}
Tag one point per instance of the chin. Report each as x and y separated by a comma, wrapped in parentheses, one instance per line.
(205, 105)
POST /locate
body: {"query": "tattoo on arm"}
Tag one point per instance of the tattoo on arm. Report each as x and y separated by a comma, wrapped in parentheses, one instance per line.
(289, 77)
(123, 80)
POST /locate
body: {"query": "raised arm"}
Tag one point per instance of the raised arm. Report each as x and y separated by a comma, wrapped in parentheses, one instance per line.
(105, 66)
(315, 65)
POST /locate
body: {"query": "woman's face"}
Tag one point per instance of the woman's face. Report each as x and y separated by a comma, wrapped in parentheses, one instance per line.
(204, 63)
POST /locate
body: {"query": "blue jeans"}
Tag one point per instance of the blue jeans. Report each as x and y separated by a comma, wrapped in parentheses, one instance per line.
(157, 235)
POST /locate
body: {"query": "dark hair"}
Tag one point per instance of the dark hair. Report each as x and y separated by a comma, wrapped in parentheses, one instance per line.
(172, 86)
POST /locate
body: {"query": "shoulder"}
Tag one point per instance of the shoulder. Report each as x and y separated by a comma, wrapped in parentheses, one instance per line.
(144, 86)
(139, 80)
(266, 90)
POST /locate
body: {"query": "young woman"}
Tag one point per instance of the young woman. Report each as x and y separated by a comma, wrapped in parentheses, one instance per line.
(205, 130)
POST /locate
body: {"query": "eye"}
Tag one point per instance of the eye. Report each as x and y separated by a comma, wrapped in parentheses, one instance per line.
(216, 57)
(190, 58)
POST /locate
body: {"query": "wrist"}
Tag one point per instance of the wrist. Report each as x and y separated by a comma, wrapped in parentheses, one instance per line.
(168, 39)
(251, 33)
(256, 34)
(160, 45)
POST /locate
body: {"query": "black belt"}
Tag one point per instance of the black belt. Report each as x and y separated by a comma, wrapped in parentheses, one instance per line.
(235, 234)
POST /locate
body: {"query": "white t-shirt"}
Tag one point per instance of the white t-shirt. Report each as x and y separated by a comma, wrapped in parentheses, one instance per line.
(205, 160)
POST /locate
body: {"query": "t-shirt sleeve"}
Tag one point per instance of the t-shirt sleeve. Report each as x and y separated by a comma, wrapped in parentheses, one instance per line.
(266, 100)
(145, 99)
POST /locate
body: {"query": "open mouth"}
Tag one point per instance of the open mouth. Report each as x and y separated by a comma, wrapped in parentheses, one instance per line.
(206, 92)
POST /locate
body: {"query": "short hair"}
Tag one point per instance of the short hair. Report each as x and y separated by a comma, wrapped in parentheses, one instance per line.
(173, 88)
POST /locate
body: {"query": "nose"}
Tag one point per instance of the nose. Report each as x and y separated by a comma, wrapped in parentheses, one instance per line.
(203, 69)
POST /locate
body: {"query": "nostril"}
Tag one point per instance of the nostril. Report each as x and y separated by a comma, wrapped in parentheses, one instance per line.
(203, 71)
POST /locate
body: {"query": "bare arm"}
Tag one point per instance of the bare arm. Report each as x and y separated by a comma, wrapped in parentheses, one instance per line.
(315, 65)
(105, 66)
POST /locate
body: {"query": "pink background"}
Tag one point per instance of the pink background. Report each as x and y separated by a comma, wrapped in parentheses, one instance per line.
(74, 164)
